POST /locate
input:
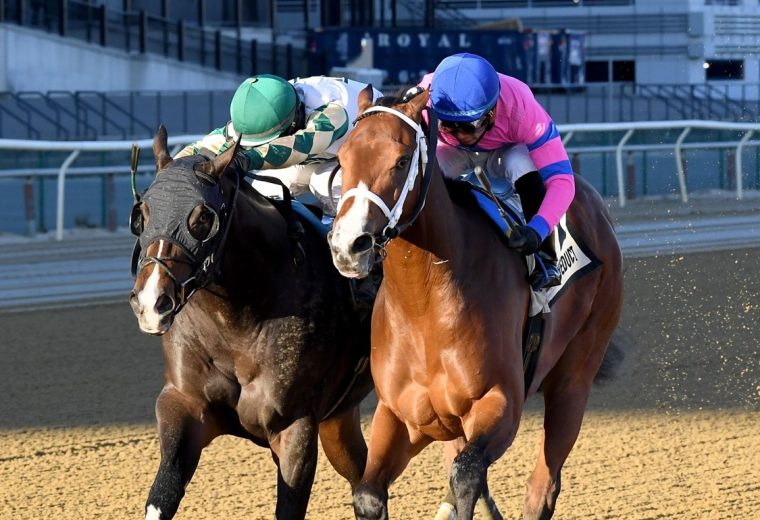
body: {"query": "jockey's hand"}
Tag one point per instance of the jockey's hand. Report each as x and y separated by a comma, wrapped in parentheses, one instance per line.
(241, 163)
(525, 240)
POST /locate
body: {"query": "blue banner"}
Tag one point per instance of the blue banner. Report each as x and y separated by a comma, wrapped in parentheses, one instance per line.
(407, 54)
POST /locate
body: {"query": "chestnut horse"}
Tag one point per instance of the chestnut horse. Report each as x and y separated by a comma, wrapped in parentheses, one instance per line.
(260, 336)
(448, 322)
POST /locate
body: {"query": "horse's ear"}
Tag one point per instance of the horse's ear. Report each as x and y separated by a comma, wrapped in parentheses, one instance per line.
(366, 98)
(161, 149)
(216, 166)
(413, 108)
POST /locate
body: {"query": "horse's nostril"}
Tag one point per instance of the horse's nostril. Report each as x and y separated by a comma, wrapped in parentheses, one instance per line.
(164, 304)
(134, 302)
(362, 244)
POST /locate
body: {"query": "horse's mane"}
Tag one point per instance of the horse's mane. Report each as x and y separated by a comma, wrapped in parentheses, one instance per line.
(389, 101)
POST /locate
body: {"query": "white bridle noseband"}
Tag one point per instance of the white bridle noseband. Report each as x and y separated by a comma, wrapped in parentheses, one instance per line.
(419, 162)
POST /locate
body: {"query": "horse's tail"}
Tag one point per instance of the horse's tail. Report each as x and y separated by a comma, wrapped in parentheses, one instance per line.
(615, 358)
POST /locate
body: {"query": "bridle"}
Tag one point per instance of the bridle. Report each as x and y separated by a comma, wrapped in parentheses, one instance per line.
(205, 265)
(422, 162)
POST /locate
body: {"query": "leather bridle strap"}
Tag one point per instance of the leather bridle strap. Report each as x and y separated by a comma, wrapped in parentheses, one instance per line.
(204, 273)
(423, 160)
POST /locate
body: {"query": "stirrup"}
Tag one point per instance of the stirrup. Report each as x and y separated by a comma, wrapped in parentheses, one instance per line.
(550, 278)
(553, 276)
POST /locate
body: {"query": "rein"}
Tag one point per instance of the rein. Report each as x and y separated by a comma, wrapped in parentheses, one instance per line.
(423, 161)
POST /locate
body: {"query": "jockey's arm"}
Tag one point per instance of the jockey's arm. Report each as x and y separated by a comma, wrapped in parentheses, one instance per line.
(214, 141)
(325, 125)
(550, 158)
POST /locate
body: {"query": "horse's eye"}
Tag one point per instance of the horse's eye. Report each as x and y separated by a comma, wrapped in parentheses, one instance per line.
(402, 163)
(200, 222)
(138, 218)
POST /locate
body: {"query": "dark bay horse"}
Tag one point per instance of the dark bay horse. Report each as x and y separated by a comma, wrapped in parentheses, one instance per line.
(260, 336)
(449, 318)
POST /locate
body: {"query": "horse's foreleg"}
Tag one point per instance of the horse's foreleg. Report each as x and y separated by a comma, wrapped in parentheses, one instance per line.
(344, 446)
(489, 427)
(448, 509)
(296, 452)
(390, 450)
(468, 479)
(182, 436)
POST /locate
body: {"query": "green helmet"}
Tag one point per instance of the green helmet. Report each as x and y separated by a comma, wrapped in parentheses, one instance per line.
(262, 108)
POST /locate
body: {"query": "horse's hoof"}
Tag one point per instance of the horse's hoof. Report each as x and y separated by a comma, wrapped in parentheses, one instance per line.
(446, 512)
(369, 507)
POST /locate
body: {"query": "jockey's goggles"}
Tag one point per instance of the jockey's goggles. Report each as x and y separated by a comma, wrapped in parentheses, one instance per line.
(465, 127)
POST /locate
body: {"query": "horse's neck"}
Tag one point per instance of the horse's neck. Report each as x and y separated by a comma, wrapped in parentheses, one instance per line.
(257, 246)
(428, 249)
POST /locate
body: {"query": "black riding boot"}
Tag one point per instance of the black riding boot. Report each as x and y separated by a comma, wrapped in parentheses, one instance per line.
(531, 189)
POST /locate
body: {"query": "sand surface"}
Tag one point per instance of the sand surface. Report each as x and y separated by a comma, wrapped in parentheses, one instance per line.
(675, 436)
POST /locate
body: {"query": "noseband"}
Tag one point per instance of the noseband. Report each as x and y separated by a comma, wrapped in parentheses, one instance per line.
(422, 161)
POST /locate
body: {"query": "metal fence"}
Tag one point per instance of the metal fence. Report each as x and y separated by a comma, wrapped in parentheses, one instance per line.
(87, 183)
(58, 115)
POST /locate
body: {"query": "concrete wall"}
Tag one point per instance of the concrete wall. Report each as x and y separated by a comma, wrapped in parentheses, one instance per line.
(32, 60)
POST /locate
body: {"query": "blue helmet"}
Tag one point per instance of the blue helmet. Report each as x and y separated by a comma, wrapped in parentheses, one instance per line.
(464, 87)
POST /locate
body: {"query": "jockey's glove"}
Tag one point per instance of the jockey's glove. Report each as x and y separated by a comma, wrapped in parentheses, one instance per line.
(525, 240)
(241, 163)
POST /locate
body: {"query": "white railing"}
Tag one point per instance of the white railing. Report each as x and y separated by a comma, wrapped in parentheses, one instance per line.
(75, 148)
(568, 131)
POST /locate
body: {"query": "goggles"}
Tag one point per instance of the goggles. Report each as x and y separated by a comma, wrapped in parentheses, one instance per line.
(464, 127)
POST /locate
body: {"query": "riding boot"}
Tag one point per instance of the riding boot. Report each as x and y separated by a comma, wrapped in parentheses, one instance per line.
(531, 189)
(548, 255)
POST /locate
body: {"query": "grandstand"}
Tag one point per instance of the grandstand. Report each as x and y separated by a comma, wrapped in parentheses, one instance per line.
(115, 69)
(81, 70)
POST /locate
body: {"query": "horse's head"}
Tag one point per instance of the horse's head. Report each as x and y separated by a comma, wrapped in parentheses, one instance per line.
(181, 222)
(382, 163)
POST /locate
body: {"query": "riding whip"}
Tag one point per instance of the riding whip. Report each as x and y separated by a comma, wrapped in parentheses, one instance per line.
(483, 179)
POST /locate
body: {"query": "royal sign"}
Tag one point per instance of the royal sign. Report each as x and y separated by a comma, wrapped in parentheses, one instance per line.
(407, 54)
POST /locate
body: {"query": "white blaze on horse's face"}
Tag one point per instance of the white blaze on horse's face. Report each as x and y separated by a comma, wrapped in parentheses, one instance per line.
(346, 230)
(148, 303)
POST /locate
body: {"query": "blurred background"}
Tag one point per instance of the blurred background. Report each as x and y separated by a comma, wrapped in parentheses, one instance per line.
(113, 70)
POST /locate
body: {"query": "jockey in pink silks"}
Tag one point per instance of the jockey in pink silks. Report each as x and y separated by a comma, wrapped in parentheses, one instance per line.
(491, 120)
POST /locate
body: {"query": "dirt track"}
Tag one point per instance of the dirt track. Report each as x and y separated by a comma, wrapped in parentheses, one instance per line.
(675, 436)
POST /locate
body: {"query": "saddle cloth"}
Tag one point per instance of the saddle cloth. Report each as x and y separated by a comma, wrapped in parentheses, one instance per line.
(575, 259)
